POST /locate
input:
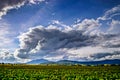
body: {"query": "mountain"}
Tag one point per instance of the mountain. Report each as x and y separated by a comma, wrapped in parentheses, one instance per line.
(67, 62)
(38, 61)
(115, 61)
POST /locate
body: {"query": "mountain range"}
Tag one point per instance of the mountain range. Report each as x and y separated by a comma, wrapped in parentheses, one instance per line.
(67, 62)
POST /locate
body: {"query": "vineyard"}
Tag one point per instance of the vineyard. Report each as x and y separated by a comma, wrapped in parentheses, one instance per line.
(58, 72)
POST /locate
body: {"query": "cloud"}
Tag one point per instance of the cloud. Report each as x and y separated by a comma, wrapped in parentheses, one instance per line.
(84, 40)
(102, 56)
(114, 27)
(35, 1)
(6, 36)
(90, 53)
(88, 26)
(7, 5)
(115, 11)
(6, 57)
(7, 44)
(49, 42)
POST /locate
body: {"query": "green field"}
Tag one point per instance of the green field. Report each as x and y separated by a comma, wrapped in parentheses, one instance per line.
(58, 72)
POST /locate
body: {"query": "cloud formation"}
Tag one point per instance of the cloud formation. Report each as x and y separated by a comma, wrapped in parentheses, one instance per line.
(114, 27)
(6, 5)
(84, 40)
(110, 14)
(81, 41)
(6, 35)
(6, 57)
(7, 44)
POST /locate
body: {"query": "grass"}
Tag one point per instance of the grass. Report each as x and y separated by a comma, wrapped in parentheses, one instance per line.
(58, 72)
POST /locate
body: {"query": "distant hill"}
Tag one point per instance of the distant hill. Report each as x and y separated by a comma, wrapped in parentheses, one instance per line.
(38, 61)
(115, 61)
(67, 62)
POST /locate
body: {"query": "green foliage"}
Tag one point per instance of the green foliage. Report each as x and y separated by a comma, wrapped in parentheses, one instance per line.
(58, 72)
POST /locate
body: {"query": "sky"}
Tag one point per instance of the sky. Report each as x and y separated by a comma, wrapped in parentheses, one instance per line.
(79, 30)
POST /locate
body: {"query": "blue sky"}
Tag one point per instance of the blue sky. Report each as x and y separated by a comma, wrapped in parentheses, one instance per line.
(20, 20)
(66, 11)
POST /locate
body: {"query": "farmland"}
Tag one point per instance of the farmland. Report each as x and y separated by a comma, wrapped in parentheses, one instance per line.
(58, 72)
